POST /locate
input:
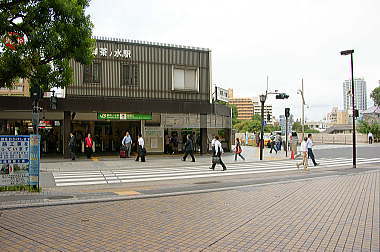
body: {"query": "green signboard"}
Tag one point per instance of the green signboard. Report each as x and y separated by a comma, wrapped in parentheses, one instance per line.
(123, 116)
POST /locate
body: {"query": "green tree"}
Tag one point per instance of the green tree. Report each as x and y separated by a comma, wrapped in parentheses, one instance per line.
(365, 127)
(234, 113)
(375, 95)
(55, 32)
(271, 128)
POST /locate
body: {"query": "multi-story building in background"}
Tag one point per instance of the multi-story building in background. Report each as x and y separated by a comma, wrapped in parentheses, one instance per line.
(244, 107)
(247, 107)
(337, 117)
(267, 110)
(20, 88)
(360, 94)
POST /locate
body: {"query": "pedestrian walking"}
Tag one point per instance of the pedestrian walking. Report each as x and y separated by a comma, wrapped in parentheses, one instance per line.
(217, 153)
(72, 145)
(189, 149)
(238, 149)
(304, 154)
(167, 143)
(309, 145)
(174, 144)
(127, 144)
(278, 142)
(272, 143)
(88, 145)
(370, 137)
(141, 151)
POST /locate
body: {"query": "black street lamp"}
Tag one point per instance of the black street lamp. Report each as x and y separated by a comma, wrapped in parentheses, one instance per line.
(351, 52)
(262, 100)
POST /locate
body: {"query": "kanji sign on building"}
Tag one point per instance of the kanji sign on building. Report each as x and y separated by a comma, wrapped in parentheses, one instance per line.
(118, 53)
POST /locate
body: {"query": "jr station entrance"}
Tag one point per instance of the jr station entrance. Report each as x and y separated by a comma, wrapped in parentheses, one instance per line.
(107, 135)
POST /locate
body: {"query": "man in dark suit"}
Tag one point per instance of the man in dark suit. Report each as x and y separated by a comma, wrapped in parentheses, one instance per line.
(72, 146)
(189, 149)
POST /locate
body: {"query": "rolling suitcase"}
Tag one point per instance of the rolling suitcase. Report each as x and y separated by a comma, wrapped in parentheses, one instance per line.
(123, 154)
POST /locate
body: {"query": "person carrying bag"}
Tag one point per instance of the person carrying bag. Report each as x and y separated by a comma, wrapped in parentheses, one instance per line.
(217, 153)
(238, 149)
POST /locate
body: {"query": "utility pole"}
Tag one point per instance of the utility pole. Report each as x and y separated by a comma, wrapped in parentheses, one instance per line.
(262, 100)
(351, 52)
(301, 92)
(287, 114)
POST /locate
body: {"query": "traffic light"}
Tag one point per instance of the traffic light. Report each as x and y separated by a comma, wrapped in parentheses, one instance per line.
(53, 102)
(287, 112)
(268, 117)
(282, 96)
(356, 113)
(36, 93)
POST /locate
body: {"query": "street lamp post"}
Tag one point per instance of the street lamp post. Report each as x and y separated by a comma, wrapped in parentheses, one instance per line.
(351, 52)
(262, 100)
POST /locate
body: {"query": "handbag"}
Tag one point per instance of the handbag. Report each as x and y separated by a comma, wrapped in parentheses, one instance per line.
(216, 160)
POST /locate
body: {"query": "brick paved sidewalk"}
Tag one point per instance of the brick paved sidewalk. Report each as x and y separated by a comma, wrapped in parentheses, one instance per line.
(330, 213)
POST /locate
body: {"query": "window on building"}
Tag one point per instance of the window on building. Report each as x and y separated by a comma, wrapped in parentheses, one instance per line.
(91, 73)
(185, 79)
(129, 75)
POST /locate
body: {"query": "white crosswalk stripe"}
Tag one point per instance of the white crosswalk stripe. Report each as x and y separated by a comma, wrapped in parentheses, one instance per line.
(133, 175)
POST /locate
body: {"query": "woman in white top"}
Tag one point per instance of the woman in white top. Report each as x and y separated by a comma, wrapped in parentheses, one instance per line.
(304, 154)
(140, 149)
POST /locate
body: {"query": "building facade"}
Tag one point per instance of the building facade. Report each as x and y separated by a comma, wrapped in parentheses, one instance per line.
(247, 107)
(155, 89)
(267, 110)
(360, 94)
(337, 117)
(20, 88)
(244, 107)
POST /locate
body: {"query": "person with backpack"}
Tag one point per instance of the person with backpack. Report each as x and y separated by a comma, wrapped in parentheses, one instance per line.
(216, 155)
(238, 149)
(189, 149)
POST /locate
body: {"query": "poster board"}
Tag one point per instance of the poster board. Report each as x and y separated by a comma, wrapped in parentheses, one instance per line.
(19, 160)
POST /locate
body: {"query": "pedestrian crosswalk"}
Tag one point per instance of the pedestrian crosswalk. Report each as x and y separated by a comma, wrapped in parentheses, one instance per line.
(149, 174)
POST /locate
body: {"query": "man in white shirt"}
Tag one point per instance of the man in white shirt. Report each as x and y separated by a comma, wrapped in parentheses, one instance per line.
(370, 137)
(127, 143)
(217, 152)
(309, 145)
(140, 149)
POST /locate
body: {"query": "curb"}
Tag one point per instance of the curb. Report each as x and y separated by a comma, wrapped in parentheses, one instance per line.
(160, 195)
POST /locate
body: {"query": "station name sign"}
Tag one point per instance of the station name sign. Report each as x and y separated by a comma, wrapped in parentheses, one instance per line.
(117, 53)
(123, 116)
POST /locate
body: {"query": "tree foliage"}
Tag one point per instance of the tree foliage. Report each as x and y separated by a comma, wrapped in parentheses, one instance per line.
(375, 95)
(253, 125)
(55, 32)
(365, 127)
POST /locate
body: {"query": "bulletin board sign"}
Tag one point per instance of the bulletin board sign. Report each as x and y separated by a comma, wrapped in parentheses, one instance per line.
(19, 156)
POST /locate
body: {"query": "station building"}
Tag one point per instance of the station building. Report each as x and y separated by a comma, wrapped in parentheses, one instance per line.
(142, 87)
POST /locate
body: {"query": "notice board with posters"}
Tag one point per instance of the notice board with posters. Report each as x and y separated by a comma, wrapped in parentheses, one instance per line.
(19, 160)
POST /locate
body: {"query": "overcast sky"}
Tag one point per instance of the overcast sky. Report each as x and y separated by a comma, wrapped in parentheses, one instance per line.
(286, 40)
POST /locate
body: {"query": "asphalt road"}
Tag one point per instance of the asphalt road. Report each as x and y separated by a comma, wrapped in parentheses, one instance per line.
(370, 151)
